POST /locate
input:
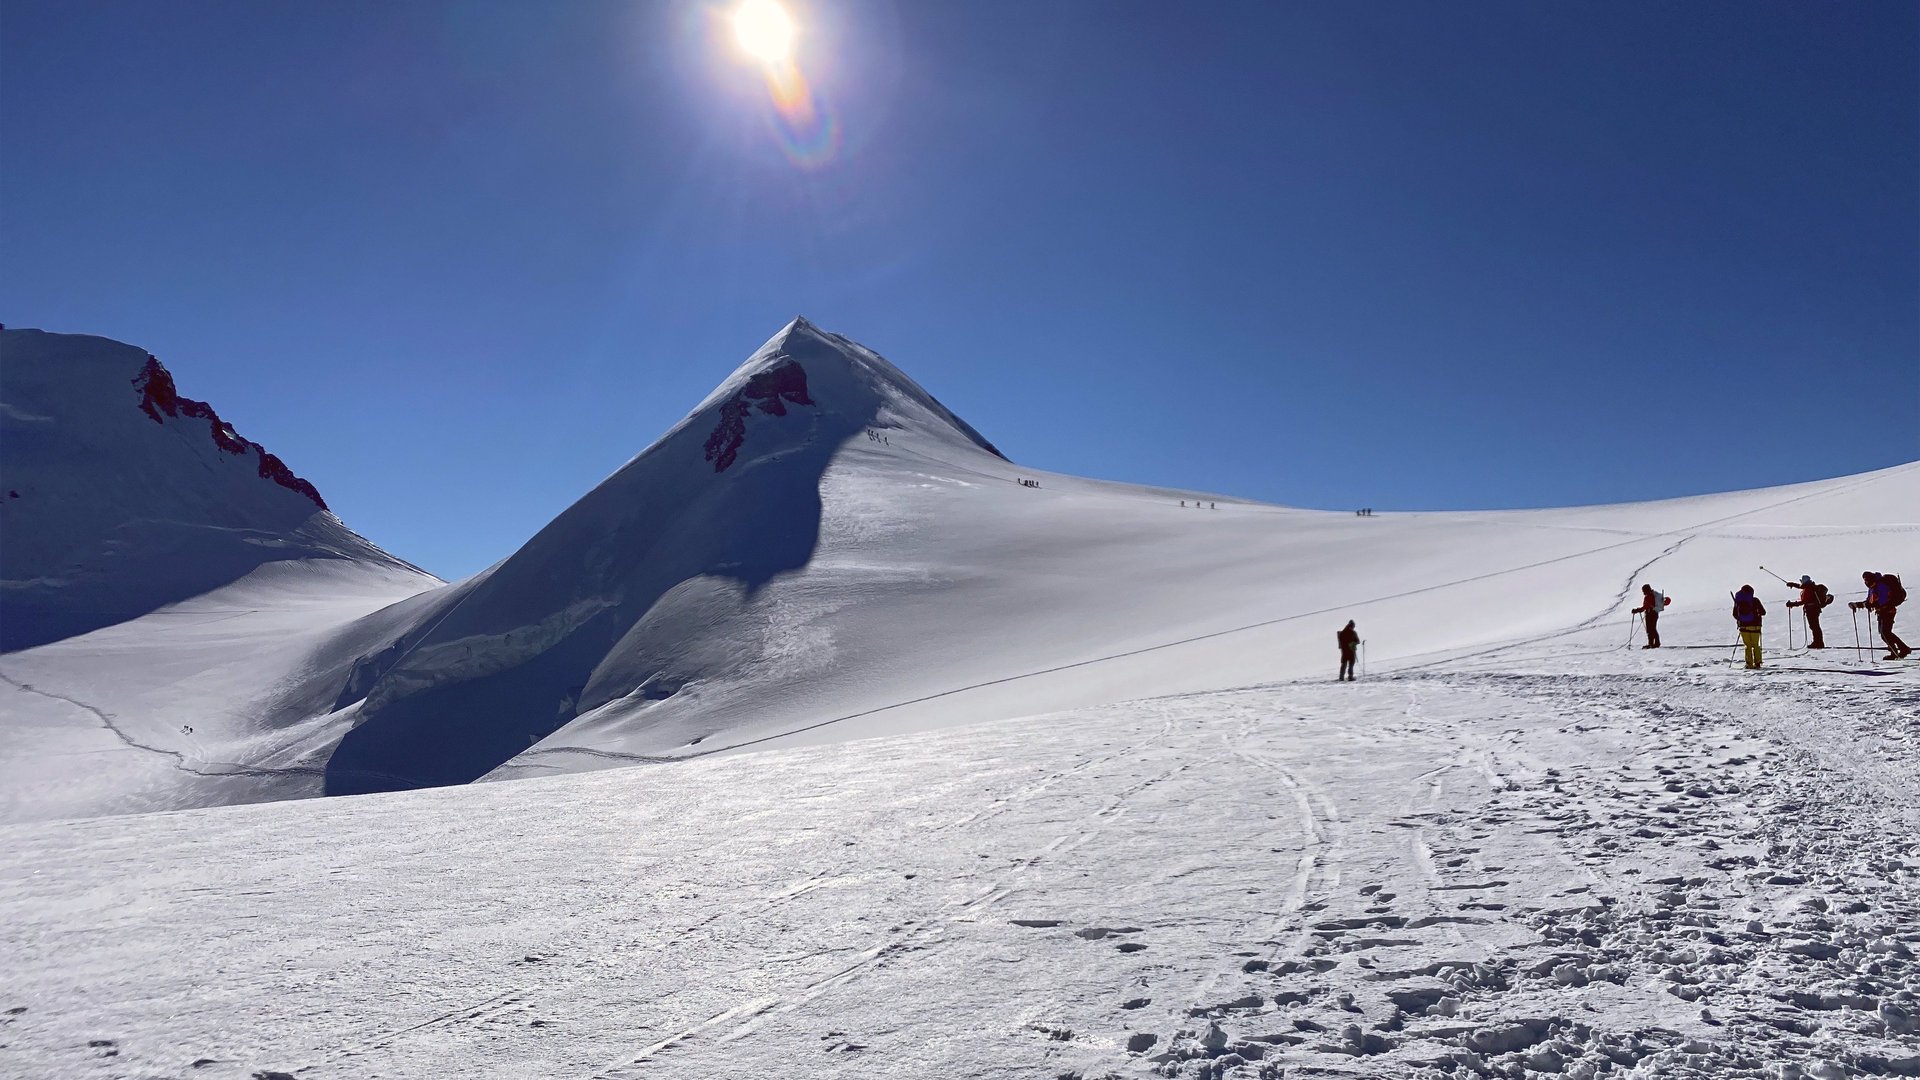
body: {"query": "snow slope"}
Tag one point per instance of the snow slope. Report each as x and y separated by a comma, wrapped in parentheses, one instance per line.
(709, 515)
(821, 552)
(943, 591)
(163, 582)
(867, 563)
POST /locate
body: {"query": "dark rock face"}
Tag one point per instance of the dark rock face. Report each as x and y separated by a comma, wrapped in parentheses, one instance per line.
(770, 391)
(159, 395)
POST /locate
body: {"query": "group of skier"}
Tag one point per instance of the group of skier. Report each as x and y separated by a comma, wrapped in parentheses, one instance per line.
(1885, 594)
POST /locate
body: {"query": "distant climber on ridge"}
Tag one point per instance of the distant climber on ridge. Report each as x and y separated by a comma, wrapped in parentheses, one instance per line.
(1349, 640)
(1885, 594)
(1651, 602)
(1814, 598)
(1748, 611)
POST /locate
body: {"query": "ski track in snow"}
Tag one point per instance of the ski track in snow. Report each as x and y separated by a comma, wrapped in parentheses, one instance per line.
(178, 759)
(1446, 872)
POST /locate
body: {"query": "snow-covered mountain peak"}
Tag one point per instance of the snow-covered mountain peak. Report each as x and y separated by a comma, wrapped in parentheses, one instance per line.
(729, 500)
(121, 495)
(807, 367)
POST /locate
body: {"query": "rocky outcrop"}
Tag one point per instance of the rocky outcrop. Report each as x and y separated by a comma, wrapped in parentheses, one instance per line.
(770, 391)
(159, 398)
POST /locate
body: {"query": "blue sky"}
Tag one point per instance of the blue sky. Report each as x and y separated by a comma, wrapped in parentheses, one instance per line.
(457, 262)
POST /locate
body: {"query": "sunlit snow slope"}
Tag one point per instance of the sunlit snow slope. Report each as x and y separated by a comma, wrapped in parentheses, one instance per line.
(939, 588)
(820, 552)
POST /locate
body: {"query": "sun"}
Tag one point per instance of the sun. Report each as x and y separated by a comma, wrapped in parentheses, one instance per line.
(765, 30)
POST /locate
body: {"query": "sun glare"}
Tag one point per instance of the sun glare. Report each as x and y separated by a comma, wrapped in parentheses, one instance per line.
(764, 30)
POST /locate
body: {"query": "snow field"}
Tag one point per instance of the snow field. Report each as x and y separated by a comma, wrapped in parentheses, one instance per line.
(175, 709)
(1688, 873)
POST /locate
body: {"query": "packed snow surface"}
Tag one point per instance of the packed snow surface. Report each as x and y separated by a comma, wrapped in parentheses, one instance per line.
(1557, 859)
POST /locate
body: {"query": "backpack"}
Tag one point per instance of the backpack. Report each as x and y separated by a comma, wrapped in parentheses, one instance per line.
(1824, 597)
(1896, 592)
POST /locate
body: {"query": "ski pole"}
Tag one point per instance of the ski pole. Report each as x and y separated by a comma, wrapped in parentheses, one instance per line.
(1632, 617)
(1789, 633)
(1777, 577)
(1363, 658)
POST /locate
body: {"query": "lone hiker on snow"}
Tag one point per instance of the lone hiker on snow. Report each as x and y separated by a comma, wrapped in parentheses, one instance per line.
(1651, 601)
(1747, 613)
(1814, 598)
(1885, 594)
(1349, 639)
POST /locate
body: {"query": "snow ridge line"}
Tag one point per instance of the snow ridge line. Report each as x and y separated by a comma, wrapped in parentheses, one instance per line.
(1690, 530)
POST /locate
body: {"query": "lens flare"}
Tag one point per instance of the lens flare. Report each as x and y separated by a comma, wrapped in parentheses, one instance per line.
(807, 129)
(764, 30)
(802, 120)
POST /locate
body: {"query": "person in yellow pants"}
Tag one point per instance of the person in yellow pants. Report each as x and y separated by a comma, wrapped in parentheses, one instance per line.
(1748, 612)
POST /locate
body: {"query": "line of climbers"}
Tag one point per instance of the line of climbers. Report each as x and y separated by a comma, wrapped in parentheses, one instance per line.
(1885, 594)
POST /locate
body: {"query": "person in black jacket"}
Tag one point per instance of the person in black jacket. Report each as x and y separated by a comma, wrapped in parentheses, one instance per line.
(1747, 613)
(1349, 639)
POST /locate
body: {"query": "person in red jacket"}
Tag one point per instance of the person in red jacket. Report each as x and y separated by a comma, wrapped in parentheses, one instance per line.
(1813, 598)
(1652, 601)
